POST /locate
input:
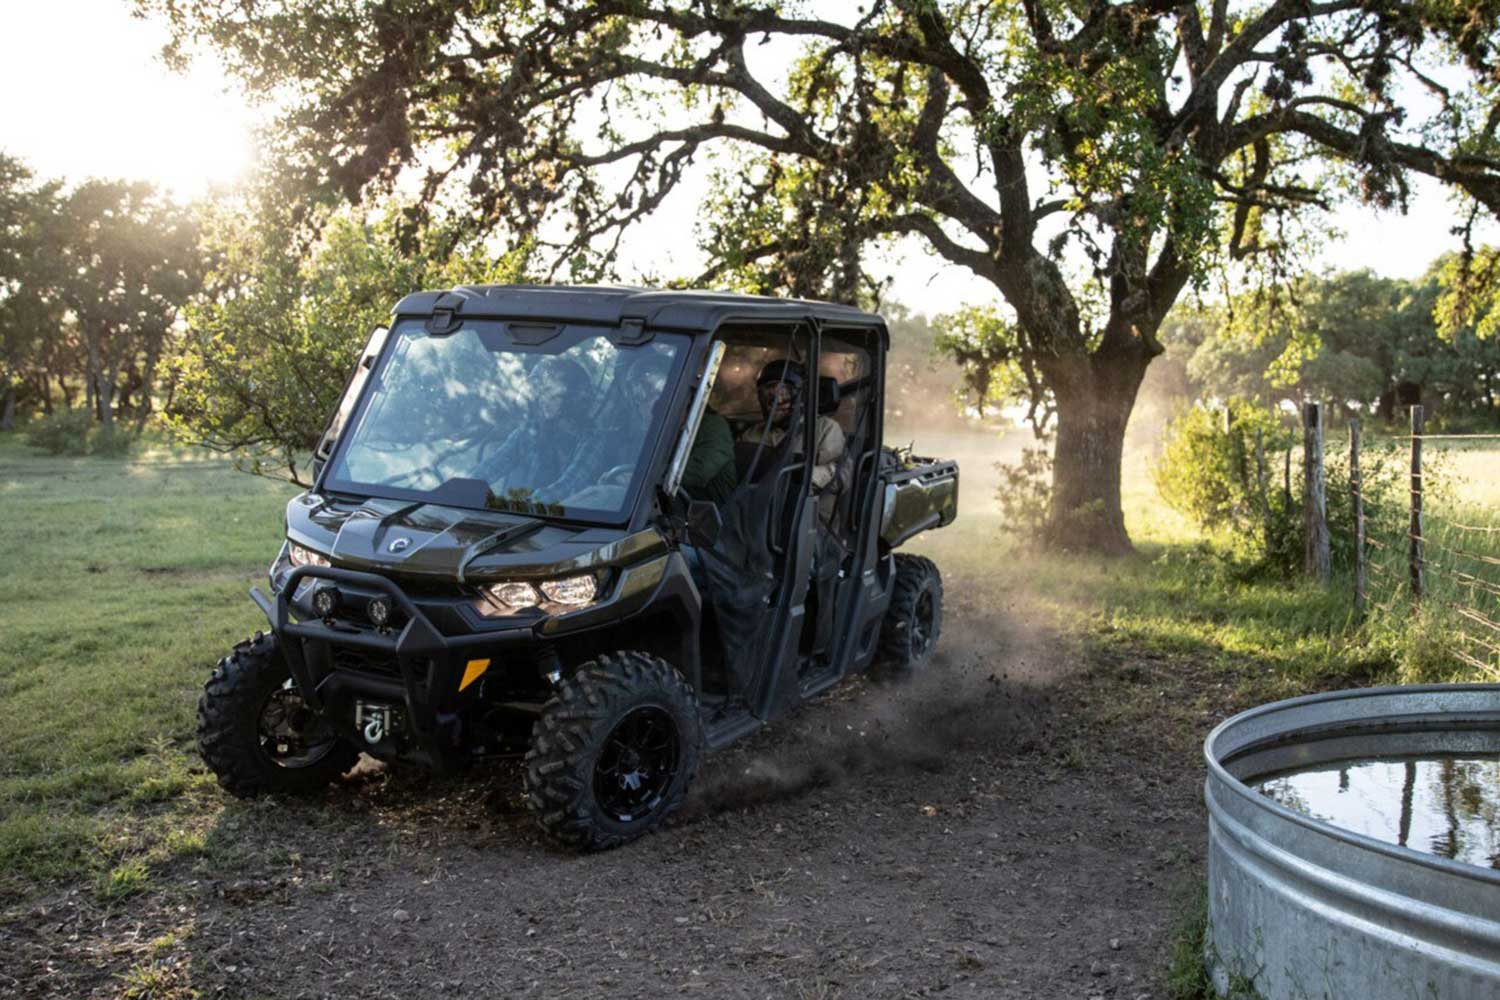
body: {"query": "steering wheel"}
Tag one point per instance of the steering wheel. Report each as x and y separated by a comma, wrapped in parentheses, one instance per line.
(618, 476)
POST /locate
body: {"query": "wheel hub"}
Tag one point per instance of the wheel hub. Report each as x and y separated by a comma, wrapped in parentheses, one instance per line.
(636, 764)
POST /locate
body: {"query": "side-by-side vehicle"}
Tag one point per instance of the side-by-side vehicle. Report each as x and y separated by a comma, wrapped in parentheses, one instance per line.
(609, 528)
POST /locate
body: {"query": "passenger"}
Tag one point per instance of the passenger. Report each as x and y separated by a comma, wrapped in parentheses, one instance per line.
(779, 388)
(538, 450)
(710, 473)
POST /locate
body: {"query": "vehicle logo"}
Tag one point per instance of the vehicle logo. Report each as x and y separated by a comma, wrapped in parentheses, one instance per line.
(399, 545)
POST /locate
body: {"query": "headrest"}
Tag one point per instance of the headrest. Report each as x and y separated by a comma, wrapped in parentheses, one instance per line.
(830, 394)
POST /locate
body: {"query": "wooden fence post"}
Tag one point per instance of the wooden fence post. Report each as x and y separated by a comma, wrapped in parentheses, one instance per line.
(1263, 496)
(1415, 554)
(1357, 496)
(1315, 499)
(1286, 482)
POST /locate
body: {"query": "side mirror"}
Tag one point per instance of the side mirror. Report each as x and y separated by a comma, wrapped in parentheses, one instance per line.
(704, 523)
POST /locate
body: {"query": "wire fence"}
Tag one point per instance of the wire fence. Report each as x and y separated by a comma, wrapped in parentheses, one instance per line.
(1442, 552)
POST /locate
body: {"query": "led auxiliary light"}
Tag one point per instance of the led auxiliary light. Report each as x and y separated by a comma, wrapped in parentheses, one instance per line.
(299, 555)
(379, 610)
(325, 601)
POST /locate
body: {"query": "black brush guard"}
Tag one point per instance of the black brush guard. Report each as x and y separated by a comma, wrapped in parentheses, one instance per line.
(429, 663)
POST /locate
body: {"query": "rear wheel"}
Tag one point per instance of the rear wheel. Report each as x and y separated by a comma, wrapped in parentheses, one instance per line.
(914, 620)
(258, 735)
(614, 751)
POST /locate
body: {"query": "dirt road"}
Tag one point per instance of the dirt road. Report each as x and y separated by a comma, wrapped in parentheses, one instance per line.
(983, 832)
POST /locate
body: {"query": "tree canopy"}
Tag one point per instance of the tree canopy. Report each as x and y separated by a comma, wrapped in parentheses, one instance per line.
(1141, 140)
(277, 326)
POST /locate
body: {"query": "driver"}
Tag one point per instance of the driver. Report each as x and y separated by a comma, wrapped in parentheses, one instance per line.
(537, 451)
(628, 414)
(779, 388)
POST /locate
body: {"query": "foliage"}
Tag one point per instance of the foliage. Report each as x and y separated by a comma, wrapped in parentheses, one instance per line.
(1362, 342)
(1225, 470)
(75, 432)
(275, 333)
(1025, 492)
(995, 371)
(1165, 137)
(1470, 297)
(122, 259)
(25, 316)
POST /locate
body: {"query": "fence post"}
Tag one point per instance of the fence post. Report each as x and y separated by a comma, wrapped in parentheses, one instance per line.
(1357, 496)
(1286, 482)
(1315, 500)
(1415, 554)
(1262, 488)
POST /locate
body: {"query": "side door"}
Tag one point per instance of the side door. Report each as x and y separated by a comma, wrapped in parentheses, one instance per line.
(758, 571)
(848, 595)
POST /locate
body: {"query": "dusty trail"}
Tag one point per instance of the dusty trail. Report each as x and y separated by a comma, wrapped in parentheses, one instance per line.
(974, 834)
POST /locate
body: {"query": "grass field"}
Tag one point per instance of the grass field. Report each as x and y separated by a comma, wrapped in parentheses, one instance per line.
(122, 581)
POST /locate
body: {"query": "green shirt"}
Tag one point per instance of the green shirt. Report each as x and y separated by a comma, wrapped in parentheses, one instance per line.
(710, 473)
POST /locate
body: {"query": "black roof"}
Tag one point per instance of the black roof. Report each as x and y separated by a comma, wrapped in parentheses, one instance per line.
(661, 308)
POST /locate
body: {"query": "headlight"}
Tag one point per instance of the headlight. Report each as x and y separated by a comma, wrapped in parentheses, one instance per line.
(299, 555)
(575, 591)
(513, 596)
(553, 596)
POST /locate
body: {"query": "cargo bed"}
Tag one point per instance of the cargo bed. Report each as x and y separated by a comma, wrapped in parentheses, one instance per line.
(920, 493)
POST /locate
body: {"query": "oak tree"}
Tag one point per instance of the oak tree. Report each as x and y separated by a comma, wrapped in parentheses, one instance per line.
(1088, 158)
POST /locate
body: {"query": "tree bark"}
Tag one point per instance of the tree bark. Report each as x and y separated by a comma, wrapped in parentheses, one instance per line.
(1093, 409)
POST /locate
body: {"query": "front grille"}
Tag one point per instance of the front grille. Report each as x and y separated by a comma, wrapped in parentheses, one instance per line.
(365, 662)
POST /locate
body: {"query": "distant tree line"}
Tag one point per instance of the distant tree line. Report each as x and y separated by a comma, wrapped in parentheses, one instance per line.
(1365, 344)
(93, 280)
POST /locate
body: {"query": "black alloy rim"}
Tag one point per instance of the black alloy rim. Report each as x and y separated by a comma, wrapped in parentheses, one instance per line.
(921, 623)
(636, 764)
(291, 734)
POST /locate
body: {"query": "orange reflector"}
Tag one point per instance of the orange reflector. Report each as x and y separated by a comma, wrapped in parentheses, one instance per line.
(473, 672)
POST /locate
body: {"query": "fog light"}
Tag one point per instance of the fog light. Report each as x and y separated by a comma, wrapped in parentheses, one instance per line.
(325, 601)
(379, 611)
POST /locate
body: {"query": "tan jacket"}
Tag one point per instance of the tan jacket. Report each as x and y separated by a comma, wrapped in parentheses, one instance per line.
(829, 475)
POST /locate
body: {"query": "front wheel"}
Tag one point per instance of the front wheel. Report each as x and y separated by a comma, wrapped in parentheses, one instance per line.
(614, 751)
(914, 620)
(257, 734)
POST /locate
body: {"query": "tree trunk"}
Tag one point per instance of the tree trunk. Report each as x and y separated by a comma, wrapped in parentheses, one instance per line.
(1093, 408)
(148, 380)
(104, 395)
(1386, 406)
(8, 408)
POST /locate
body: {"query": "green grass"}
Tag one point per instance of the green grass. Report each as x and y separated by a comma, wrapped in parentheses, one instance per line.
(121, 582)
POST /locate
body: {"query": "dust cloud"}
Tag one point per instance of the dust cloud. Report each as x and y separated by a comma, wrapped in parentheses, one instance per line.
(979, 690)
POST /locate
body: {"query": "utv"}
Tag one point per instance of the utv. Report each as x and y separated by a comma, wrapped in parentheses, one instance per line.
(608, 528)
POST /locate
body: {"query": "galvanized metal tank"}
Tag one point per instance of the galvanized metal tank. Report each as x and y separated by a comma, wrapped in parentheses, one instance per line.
(1299, 908)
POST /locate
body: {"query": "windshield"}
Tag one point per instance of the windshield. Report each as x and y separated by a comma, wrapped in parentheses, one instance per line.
(479, 418)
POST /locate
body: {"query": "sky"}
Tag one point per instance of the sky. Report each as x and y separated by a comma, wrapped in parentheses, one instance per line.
(110, 108)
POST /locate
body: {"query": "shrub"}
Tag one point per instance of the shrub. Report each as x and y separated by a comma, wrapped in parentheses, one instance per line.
(1212, 471)
(1025, 491)
(73, 432)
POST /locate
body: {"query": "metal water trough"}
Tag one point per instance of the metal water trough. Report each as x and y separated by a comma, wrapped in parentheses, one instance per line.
(1301, 909)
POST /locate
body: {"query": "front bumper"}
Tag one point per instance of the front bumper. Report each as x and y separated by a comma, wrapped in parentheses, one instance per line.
(421, 672)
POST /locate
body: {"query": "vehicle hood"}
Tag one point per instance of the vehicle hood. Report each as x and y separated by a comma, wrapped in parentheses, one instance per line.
(455, 544)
